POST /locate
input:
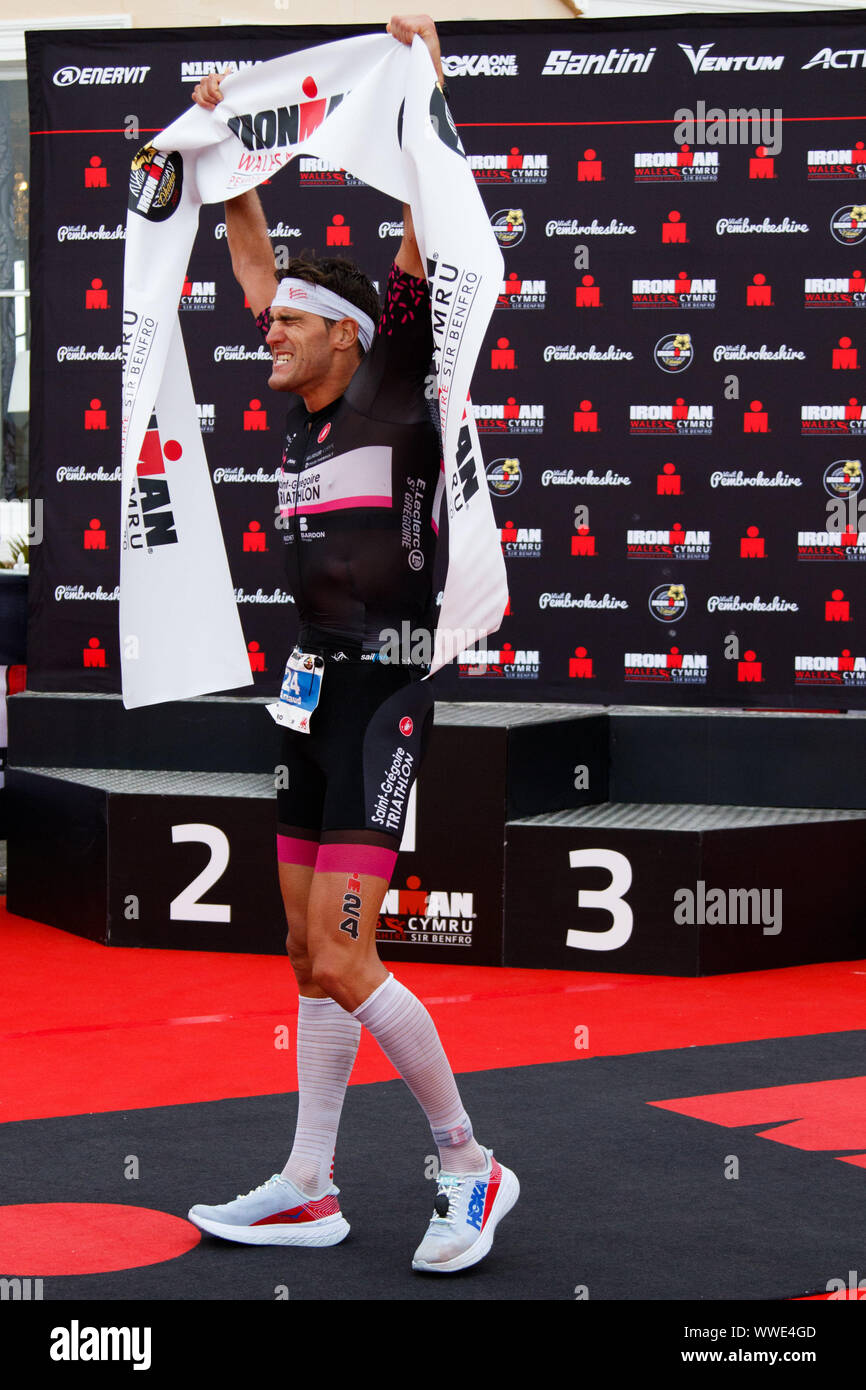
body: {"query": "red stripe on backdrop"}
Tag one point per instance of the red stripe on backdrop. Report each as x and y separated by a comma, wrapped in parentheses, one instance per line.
(91, 1028)
(482, 125)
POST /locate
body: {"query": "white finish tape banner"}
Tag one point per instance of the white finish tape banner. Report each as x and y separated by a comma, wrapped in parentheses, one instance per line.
(371, 106)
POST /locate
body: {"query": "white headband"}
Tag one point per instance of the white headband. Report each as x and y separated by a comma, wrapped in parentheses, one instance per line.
(316, 299)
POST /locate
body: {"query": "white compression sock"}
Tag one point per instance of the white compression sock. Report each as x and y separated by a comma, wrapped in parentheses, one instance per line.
(407, 1035)
(328, 1039)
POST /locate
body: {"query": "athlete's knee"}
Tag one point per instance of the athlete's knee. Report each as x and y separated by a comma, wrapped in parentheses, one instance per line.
(299, 959)
(334, 974)
(327, 975)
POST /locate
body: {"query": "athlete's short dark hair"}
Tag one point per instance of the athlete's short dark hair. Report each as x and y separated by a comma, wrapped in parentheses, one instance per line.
(338, 274)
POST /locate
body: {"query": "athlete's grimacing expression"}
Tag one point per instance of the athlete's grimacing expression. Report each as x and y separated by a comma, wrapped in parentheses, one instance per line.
(303, 350)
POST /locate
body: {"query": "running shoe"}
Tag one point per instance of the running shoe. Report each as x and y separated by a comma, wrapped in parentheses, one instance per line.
(466, 1210)
(276, 1213)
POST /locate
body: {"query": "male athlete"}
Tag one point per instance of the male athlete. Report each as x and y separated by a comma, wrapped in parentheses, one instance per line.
(361, 453)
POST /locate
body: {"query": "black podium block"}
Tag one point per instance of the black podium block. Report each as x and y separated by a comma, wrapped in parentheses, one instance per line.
(160, 859)
(185, 859)
(682, 890)
(507, 794)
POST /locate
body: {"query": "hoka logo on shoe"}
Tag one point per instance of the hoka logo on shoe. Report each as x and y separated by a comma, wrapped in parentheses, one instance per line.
(475, 1213)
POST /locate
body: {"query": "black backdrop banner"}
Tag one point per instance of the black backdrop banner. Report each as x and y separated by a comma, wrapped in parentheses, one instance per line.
(671, 399)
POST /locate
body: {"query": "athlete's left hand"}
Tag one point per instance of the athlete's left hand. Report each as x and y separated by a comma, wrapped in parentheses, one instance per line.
(405, 27)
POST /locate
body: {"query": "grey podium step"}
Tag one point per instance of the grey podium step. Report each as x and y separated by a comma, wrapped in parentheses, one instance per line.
(628, 754)
(684, 889)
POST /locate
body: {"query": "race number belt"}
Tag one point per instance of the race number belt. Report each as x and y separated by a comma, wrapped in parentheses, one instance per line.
(300, 691)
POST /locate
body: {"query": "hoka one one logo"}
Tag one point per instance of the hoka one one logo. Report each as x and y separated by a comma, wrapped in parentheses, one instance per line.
(476, 1205)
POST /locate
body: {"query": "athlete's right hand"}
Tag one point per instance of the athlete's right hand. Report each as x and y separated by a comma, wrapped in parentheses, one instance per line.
(207, 92)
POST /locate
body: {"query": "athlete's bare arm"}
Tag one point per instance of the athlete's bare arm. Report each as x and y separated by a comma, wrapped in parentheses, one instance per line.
(405, 27)
(408, 258)
(251, 251)
(246, 227)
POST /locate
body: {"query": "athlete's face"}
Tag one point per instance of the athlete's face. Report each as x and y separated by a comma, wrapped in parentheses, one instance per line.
(302, 350)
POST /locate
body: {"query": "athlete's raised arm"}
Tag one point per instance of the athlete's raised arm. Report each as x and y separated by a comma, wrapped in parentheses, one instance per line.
(246, 226)
(251, 251)
(404, 28)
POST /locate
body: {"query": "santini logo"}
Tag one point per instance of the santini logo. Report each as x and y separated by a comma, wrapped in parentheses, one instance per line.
(562, 61)
(76, 1343)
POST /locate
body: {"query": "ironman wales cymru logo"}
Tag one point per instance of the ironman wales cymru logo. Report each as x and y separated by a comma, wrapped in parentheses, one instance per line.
(150, 519)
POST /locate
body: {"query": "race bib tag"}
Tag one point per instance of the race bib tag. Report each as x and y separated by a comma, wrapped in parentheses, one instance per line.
(299, 694)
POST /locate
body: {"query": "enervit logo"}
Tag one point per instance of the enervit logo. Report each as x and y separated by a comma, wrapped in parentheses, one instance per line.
(704, 61)
(70, 75)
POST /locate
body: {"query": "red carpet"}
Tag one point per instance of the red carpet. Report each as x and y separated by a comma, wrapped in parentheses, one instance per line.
(88, 1028)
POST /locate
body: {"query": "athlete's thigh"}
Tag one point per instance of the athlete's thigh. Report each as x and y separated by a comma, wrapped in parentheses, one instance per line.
(300, 799)
(369, 746)
(295, 883)
(342, 914)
